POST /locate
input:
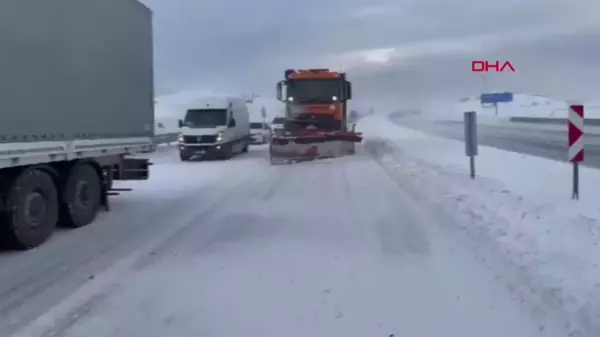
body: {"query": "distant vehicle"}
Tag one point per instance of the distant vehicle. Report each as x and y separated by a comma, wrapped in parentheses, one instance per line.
(260, 133)
(217, 127)
(277, 123)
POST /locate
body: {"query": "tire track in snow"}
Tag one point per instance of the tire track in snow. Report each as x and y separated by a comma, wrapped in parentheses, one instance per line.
(542, 305)
(317, 272)
(90, 294)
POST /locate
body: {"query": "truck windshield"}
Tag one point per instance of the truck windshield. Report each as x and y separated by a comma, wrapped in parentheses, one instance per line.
(314, 91)
(257, 126)
(278, 120)
(197, 118)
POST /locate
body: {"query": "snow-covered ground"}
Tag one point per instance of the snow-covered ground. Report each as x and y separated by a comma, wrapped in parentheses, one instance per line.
(329, 248)
(524, 105)
(166, 116)
(166, 125)
(517, 214)
(397, 240)
(272, 106)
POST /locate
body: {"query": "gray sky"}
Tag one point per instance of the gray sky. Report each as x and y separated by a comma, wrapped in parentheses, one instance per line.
(398, 53)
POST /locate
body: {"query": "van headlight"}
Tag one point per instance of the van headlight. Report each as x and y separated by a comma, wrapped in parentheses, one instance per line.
(180, 138)
(220, 137)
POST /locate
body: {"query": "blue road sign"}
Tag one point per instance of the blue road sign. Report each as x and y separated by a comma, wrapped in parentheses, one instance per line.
(498, 97)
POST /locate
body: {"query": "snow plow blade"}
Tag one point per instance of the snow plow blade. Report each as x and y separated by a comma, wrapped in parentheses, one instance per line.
(293, 149)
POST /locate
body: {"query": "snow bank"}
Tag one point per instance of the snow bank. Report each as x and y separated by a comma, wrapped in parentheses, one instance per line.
(523, 106)
(273, 107)
(166, 125)
(171, 107)
(518, 216)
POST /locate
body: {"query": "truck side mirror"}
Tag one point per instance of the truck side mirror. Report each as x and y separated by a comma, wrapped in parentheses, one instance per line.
(180, 123)
(280, 91)
(348, 90)
(232, 123)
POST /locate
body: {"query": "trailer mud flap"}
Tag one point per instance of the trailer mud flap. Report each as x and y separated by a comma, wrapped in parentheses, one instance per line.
(133, 169)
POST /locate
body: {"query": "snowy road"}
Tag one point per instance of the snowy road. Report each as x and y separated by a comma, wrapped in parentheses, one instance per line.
(542, 143)
(239, 248)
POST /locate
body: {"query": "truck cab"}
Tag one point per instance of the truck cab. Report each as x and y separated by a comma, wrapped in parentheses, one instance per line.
(315, 96)
(217, 127)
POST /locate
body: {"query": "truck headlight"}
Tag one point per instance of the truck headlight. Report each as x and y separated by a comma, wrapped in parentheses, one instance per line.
(180, 138)
(220, 137)
(290, 99)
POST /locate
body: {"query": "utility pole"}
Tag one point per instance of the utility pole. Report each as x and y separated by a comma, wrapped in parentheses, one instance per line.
(250, 98)
(263, 113)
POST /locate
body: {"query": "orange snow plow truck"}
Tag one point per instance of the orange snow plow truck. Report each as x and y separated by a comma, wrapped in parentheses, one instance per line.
(316, 117)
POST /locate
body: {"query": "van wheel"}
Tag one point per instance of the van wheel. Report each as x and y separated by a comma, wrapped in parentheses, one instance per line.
(183, 157)
(245, 149)
(81, 197)
(32, 210)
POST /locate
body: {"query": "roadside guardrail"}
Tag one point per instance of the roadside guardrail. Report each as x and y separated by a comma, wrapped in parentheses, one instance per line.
(165, 138)
(554, 121)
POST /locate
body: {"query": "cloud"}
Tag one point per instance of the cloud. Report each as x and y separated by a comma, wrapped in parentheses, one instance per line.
(395, 51)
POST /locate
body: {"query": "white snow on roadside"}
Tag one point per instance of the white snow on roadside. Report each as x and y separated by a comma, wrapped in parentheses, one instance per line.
(524, 105)
(174, 196)
(518, 214)
(272, 106)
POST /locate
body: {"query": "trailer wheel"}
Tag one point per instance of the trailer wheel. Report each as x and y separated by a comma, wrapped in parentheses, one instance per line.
(82, 197)
(32, 210)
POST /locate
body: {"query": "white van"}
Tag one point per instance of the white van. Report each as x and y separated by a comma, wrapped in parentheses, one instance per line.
(260, 132)
(277, 123)
(215, 127)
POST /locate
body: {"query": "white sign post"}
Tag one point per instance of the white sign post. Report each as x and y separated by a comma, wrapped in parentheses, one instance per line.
(471, 139)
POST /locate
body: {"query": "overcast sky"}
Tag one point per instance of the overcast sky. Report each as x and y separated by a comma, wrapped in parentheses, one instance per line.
(398, 53)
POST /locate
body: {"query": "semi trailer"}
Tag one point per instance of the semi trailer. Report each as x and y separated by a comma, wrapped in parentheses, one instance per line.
(76, 109)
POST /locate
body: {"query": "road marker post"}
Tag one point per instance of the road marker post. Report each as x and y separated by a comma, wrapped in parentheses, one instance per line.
(471, 139)
(575, 131)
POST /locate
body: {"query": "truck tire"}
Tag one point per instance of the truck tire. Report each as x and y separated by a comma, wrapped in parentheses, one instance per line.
(245, 148)
(183, 157)
(32, 210)
(81, 197)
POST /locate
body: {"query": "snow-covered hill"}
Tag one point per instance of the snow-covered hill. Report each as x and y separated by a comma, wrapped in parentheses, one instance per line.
(169, 108)
(524, 105)
(272, 106)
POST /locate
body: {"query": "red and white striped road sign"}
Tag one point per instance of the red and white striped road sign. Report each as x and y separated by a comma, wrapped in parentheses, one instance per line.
(576, 133)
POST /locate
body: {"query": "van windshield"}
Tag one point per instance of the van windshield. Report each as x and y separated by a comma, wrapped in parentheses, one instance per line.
(202, 118)
(278, 120)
